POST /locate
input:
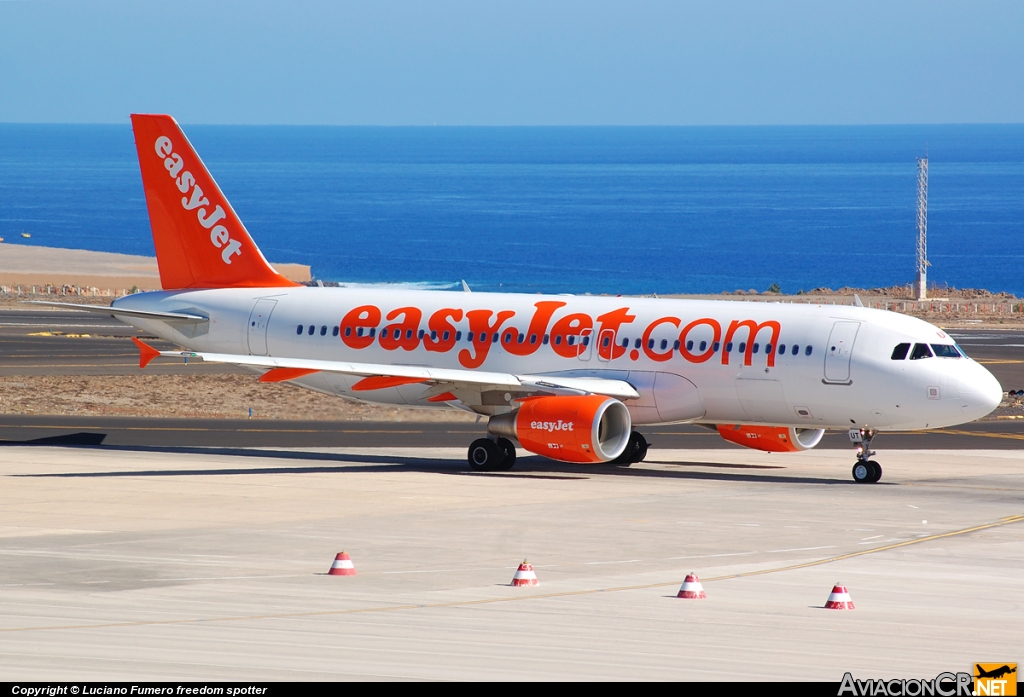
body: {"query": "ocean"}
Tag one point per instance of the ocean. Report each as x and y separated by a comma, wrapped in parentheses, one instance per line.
(560, 210)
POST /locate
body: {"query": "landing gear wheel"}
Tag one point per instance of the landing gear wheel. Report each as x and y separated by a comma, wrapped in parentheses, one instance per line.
(509, 451)
(862, 472)
(640, 447)
(485, 455)
(876, 471)
(636, 450)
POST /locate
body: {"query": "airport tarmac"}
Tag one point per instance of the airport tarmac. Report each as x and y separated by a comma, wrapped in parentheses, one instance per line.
(129, 432)
(160, 564)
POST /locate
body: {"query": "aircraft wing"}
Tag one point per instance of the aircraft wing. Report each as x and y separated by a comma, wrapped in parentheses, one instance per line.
(380, 376)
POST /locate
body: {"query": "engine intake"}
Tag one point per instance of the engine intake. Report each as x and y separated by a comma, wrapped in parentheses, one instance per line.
(772, 439)
(589, 428)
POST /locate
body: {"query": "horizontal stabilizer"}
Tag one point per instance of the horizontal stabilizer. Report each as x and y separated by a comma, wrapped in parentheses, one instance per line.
(146, 352)
(115, 311)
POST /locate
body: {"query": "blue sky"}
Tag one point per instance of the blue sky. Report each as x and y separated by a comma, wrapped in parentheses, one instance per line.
(522, 63)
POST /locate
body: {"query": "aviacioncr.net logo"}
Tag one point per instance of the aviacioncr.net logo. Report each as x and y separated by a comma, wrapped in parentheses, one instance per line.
(943, 685)
(995, 679)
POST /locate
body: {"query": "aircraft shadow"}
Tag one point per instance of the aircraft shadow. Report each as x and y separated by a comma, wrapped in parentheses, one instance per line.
(69, 439)
(529, 467)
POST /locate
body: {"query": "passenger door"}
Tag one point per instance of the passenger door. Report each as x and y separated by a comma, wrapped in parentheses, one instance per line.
(839, 351)
(259, 320)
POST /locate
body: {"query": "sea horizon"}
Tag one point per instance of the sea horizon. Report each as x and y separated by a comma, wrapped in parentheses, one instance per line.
(601, 209)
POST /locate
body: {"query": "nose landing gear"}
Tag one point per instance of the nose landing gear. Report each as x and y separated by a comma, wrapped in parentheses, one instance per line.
(866, 471)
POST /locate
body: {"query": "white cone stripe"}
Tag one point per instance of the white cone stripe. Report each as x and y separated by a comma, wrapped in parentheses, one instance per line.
(342, 564)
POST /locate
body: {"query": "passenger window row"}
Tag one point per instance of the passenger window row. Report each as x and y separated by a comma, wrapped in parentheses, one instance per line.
(926, 351)
(312, 330)
(742, 348)
(444, 336)
(571, 340)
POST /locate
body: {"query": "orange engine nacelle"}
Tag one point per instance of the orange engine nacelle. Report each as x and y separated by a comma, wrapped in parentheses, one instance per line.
(773, 439)
(589, 428)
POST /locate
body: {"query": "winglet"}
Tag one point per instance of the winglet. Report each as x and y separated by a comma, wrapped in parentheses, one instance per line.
(146, 352)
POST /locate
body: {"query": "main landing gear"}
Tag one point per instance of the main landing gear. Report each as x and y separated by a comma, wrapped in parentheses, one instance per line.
(486, 455)
(636, 450)
(866, 471)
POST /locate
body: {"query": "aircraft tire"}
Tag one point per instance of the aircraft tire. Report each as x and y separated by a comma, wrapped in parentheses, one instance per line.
(876, 472)
(640, 450)
(484, 455)
(862, 472)
(635, 451)
(508, 449)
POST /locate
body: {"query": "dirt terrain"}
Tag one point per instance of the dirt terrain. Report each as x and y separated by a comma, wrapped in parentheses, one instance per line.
(31, 270)
(191, 396)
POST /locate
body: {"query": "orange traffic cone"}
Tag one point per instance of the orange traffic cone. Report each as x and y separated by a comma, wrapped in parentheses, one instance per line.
(342, 566)
(691, 588)
(839, 598)
(525, 575)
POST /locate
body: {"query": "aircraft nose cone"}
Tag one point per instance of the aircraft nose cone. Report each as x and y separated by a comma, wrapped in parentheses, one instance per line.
(981, 393)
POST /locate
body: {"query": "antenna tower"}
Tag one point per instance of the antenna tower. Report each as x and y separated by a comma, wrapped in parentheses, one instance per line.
(922, 228)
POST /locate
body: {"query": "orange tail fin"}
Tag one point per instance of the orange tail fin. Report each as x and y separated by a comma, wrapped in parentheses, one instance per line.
(200, 242)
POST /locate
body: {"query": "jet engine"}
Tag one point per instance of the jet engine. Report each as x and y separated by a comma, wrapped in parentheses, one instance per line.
(773, 439)
(588, 428)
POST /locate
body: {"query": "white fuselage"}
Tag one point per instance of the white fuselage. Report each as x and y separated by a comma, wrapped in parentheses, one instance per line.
(828, 366)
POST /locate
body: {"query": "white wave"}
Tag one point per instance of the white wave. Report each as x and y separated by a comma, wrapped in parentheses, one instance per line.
(405, 285)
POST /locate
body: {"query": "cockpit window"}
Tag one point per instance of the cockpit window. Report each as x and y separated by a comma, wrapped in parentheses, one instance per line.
(900, 352)
(921, 351)
(945, 351)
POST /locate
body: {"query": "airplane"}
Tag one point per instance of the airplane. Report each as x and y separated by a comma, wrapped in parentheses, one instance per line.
(995, 673)
(567, 377)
